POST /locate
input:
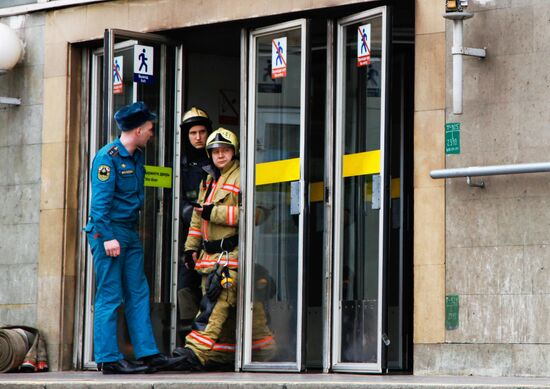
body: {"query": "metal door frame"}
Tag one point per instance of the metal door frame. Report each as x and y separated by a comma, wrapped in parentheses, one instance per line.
(108, 49)
(92, 146)
(249, 157)
(107, 100)
(243, 244)
(179, 87)
(338, 195)
(328, 241)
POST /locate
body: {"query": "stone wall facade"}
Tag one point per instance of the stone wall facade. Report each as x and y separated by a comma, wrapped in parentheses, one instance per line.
(488, 246)
(497, 241)
(20, 180)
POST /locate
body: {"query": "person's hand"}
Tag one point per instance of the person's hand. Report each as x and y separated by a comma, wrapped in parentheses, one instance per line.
(112, 248)
(189, 259)
(206, 211)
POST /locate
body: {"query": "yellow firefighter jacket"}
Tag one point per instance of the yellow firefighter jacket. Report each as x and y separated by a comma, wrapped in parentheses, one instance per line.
(224, 219)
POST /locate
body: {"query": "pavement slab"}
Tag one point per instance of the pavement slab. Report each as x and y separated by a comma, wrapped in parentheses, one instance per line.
(171, 380)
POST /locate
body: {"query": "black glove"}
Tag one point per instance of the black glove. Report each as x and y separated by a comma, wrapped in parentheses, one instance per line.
(213, 284)
(188, 259)
(206, 211)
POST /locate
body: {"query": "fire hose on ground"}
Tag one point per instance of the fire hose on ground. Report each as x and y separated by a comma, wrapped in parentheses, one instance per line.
(22, 349)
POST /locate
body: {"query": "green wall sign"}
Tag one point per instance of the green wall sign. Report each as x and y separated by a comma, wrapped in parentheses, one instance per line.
(452, 138)
(451, 312)
(158, 176)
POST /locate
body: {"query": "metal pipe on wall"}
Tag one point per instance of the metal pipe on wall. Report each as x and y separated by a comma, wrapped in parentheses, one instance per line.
(493, 170)
(458, 51)
(458, 62)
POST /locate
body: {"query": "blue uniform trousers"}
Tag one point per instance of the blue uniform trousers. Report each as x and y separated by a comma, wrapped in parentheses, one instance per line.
(121, 280)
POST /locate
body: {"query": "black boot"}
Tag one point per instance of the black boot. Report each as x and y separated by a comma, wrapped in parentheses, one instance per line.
(158, 362)
(121, 366)
(189, 361)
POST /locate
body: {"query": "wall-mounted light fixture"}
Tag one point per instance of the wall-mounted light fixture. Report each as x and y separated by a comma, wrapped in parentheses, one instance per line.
(455, 5)
(11, 51)
(456, 12)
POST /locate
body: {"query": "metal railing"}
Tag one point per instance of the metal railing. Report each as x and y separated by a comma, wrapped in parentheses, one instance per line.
(494, 170)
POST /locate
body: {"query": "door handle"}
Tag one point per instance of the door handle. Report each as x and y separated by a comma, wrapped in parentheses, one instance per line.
(295, 198)
(376, 191)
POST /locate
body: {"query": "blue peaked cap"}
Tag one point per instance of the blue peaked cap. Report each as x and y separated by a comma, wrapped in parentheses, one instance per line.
(133, 115)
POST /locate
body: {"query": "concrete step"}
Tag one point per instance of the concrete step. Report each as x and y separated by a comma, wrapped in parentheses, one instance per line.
(171, 380)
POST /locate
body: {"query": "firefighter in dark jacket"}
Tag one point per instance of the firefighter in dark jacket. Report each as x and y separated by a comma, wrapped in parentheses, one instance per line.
(195, 126)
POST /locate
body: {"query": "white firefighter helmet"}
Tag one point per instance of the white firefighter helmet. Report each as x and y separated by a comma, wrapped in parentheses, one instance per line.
(222, 137)
(194, 117)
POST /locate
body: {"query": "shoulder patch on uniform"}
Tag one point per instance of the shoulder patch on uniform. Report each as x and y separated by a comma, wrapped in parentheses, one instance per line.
(103, 173)
(113, 151)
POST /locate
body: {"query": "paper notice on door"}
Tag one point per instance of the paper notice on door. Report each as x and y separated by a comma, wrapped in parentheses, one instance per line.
(158, 176)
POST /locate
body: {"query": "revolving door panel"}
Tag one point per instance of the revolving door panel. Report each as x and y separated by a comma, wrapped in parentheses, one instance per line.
(275, 199)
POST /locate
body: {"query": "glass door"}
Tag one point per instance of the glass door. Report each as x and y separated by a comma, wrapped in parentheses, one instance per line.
(138, 67)
(359, 192)
(274, 199)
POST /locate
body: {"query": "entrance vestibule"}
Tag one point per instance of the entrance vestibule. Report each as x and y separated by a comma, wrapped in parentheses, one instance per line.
(326, 152)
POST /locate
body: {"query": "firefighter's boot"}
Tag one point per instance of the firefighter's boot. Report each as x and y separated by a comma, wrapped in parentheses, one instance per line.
(189, 361)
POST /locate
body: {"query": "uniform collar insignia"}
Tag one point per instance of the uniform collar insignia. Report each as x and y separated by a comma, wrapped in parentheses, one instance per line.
(122, 150)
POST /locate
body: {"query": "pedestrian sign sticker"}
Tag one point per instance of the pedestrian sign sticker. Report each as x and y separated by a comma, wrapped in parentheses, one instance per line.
(452, 138)
(278, 58)
(117, 75)
(363, 45)
(143, 64)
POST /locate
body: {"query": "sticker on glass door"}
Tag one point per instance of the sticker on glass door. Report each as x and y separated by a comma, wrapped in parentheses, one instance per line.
(363, 45)
(143, 64)
(278, 58)
(117, 75)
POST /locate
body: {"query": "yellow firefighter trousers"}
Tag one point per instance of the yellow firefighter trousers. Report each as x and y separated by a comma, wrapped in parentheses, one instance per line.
(216, 343)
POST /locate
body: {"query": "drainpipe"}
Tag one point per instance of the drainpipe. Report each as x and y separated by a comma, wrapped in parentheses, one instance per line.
(458, 52)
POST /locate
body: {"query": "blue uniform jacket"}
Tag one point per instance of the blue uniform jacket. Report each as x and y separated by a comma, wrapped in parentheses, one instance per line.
(117, 189)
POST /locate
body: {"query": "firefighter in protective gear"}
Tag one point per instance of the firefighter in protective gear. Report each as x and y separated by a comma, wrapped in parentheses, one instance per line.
(195, 166)
(213, 244)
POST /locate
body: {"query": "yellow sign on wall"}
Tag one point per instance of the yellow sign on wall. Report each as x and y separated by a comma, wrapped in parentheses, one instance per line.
(158, 176)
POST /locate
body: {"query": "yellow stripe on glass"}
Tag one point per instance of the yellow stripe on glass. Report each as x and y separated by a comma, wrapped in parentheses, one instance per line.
(395, 189)
(361, 164)
(316, 191)
(278, 171)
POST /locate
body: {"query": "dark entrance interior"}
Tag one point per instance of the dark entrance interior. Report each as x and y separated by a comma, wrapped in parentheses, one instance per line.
(212, 77)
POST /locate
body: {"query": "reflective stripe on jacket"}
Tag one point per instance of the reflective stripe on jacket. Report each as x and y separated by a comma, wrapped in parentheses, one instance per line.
(224, 219)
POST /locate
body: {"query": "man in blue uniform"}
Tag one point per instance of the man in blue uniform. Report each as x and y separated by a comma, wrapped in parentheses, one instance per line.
(117, 178)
